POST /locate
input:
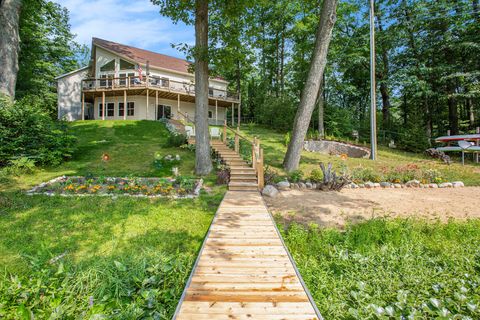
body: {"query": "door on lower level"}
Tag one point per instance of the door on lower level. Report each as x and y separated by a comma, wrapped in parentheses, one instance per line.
(164, 112)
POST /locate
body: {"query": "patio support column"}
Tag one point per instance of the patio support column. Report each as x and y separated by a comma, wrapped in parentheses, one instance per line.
(156, 104)
(233, 115)
(216, 112)
(83, 106)
(103, 105)
(124, 104)
(178, 102)
(148, 93)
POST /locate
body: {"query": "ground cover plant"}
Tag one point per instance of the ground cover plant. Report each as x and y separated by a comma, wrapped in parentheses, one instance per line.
(415, 165)
(102, 257)
(391, 269)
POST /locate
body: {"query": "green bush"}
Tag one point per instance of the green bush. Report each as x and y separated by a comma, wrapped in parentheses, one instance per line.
(27, 131)
(20, 165)
(295, 176)
(175, 140)
(316, 175)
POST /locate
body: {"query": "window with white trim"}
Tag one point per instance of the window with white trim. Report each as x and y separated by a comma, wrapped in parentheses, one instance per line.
(130, 108)
(121, 109)
(110, 109)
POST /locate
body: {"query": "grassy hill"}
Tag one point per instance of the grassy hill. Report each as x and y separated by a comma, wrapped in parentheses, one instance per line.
(129, 256)
(388, 159)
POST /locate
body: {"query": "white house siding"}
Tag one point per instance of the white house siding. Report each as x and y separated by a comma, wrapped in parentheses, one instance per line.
(141, 108)
(70, 95)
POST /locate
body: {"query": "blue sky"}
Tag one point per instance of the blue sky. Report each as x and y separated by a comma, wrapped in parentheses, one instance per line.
(133, 22)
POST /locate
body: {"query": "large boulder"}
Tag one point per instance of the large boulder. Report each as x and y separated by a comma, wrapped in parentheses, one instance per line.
(270, 191)
(283, 185)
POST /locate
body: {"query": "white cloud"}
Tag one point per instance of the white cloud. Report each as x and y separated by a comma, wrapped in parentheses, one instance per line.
(137, 23)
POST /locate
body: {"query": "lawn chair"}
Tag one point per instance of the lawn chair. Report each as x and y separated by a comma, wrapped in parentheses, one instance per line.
(190, 131)
(464, 145)
(215, 132)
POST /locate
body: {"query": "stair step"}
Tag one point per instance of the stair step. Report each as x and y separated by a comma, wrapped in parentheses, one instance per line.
(242, 186)
(242, 170)
(235, 175)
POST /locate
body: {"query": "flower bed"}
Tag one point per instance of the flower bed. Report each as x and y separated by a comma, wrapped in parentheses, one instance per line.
(180, 187)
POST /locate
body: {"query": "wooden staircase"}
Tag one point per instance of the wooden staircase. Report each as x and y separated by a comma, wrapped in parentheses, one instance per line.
(242, 176)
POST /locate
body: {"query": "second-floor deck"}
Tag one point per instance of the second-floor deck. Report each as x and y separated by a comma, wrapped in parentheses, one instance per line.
(166, 87)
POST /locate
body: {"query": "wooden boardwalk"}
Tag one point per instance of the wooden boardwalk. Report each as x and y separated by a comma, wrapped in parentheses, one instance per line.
(243, 270)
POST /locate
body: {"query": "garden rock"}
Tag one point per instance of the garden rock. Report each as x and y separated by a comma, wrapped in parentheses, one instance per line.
(369, 185)
(308, 185)
(376, 185)
(433, 185)
(413, 184)
(314, 185)
(445, 185)
(458, 184)
(302, 185)
(361, 186)
(283, 185)
(385, 184)
(397, 186)
(270, 191)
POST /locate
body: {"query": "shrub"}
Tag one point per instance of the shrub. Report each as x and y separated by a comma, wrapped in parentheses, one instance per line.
(295, 176)
(176, 140)
(361, 174)
(21, 165)
(223, 175)
(187, 183)
(27, 131)
(316, 175)
(270, 176)
(286, 139)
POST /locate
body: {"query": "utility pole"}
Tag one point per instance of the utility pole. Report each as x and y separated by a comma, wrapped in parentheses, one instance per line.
(373, 99)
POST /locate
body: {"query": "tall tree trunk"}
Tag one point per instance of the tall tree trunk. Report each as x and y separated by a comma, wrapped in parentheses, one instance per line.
(282, 61)
(453, 115)
(203, 161)
(9, 45)
(384, 78)
(321, 108)
(310, 91)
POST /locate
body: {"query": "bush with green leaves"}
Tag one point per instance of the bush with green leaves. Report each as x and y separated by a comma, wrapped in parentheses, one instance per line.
(28, 131)
(176, 140)
(316, 175)
(295, 176)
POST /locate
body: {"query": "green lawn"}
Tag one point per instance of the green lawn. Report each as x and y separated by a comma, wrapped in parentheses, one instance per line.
(130, 144)
(126, 258)
(274, 151)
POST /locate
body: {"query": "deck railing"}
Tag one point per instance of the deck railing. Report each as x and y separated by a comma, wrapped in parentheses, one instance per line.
(257, 151)
(162, 83)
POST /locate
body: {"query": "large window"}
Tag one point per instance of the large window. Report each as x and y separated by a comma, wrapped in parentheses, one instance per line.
(100, 110)
(130, 108)
(109, 66)
(210, 114)
(125, 65)
(110, 109)
(121, 109)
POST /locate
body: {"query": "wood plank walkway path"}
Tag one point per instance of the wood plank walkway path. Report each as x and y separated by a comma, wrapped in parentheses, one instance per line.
(244, 270)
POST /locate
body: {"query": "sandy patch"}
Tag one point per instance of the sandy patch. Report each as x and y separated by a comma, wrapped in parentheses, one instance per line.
(355, 205)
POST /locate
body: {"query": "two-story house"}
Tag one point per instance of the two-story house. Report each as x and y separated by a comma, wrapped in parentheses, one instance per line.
(124, 82)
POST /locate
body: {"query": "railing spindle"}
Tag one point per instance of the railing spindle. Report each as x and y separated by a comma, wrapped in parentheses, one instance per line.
(237, 140)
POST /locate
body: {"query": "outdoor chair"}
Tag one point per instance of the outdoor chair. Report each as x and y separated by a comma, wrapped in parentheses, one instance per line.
(190, 131)
(215, 132)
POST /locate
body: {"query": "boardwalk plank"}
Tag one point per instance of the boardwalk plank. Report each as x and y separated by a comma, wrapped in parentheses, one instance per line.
(244, 271)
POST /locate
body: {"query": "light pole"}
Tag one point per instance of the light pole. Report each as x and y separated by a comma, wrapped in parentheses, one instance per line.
(373, 99)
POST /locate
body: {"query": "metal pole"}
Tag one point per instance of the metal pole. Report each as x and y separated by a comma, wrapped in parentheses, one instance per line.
(373, 102)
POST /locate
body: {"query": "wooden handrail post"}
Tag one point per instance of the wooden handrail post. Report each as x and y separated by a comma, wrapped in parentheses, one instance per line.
(225, 131)
(260, 170)
(237, 141)
(254, 158)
